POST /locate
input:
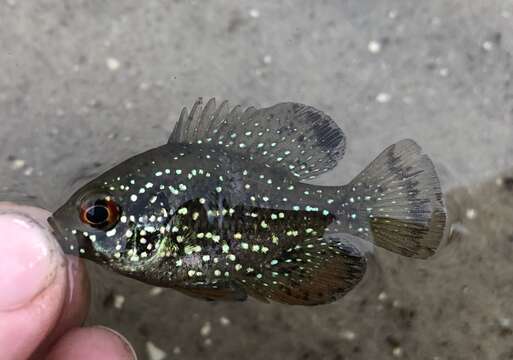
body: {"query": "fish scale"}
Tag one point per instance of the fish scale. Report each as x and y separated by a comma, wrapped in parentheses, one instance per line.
(221, 211)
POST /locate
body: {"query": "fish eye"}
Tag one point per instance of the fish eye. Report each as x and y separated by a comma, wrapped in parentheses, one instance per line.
(100, 214)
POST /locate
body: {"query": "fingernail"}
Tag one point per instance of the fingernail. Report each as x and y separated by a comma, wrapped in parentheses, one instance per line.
(28, 259)
(129, 348)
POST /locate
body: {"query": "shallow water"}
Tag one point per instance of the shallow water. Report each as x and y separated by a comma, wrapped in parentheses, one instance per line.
(84, 86)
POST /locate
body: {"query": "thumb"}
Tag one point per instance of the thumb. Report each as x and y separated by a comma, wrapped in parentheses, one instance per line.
(33, 280)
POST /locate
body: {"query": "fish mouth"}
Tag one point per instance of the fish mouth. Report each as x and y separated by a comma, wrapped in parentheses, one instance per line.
(69, 247)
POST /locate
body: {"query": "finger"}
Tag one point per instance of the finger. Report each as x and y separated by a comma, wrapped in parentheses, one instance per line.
(96, 343)
(77, 299)
(34, 281)
(76, 304)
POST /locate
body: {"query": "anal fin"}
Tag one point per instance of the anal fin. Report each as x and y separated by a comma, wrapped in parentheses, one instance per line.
(314, 272)
(228, 291)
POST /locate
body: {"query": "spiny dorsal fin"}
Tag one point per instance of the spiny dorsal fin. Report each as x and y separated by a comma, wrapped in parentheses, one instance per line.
(298, 137)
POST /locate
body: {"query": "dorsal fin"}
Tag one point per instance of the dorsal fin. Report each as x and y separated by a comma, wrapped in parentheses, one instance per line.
(294, 136)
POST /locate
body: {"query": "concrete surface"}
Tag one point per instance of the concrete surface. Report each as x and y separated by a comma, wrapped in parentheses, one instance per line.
(85, 84)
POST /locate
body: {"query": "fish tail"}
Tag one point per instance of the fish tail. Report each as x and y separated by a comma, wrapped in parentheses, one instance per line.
(396, 202)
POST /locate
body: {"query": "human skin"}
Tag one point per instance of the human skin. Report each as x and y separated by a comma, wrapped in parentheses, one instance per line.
(44, 296)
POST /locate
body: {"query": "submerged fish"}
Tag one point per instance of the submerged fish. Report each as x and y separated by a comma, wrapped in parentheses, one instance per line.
(222, 211)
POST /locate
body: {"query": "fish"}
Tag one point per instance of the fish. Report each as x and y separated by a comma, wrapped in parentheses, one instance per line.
(225, 211)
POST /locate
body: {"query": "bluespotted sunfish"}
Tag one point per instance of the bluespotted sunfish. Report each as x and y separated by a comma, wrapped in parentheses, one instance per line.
(222, 211)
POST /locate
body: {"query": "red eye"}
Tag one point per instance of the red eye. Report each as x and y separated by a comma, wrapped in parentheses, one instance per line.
(101, 214)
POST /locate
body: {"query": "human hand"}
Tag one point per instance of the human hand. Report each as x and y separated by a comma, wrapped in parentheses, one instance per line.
(44, 296)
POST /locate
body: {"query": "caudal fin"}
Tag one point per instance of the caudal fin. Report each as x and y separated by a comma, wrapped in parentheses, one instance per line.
(396, 202)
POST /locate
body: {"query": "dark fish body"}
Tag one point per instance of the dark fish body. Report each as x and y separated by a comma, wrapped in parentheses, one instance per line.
(222, 211)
